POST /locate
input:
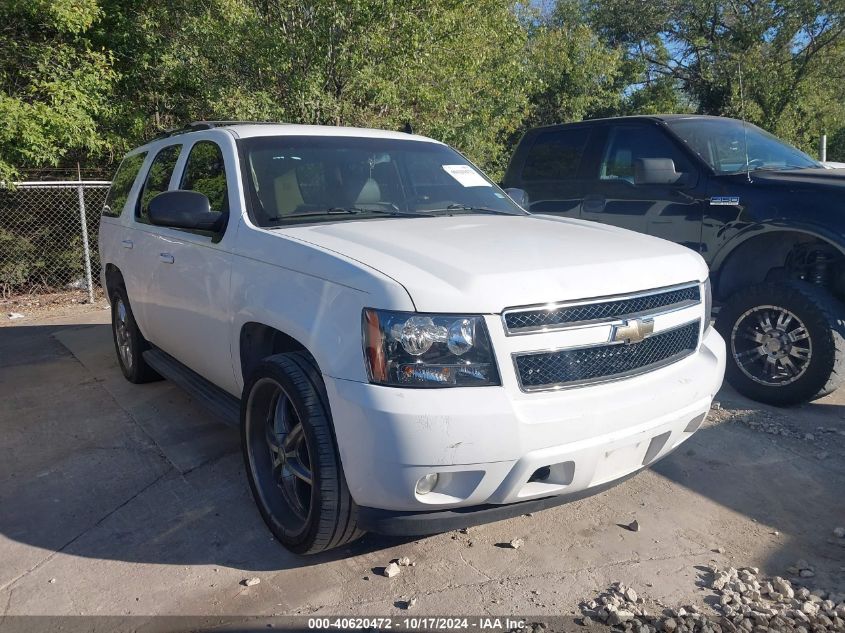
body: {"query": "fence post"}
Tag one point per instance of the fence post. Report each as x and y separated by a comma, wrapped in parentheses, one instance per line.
(87, 251)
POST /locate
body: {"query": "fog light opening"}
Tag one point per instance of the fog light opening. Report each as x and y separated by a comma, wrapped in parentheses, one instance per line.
(426, 483)
(541, 474)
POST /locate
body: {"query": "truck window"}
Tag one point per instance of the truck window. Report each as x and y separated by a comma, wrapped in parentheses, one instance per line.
(122, 183)
(205, 173)
(556, 154)
(626, 144)
(158, 179)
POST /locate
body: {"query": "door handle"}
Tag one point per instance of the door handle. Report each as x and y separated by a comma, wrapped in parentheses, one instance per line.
(128, 243)
(165, 258)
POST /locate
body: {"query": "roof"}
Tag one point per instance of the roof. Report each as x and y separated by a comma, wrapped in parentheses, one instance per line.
(637, 117)
(251, 129)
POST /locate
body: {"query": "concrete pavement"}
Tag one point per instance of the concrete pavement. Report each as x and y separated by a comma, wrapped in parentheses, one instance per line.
(128, 499)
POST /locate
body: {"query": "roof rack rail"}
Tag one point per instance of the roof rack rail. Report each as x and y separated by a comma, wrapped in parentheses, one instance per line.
(195, 126)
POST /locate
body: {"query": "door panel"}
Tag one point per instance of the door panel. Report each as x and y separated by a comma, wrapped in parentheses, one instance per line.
(191, 270)
(671, 211)
(138, 242)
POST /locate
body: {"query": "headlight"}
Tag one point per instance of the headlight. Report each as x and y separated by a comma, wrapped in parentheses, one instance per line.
(708, 303)
(411, 349)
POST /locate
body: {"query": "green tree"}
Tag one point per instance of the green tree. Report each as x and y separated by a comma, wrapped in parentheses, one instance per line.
(55, 85)
(783, 50)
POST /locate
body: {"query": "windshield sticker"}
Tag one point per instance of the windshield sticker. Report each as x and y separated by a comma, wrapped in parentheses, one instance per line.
(721, 201)
(466, 175)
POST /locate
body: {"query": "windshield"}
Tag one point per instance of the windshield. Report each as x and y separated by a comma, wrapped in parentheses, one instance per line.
(721, 143)
(295, 179)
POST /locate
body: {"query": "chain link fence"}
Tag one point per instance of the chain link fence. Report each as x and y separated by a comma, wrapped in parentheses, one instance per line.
(48, 236)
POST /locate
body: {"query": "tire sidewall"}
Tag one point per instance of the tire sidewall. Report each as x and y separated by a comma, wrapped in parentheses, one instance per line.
(119, 294)
(801, 300)
(299, 544)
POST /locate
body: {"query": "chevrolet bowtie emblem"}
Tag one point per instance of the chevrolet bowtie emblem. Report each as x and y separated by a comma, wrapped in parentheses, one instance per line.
(632, 331)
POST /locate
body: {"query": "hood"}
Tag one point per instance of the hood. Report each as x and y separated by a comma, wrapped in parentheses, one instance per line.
(812, 177)
(485, 263)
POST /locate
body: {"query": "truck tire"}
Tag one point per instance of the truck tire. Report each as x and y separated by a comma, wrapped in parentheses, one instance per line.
(291, 456)
(786, 342)
(129, 343)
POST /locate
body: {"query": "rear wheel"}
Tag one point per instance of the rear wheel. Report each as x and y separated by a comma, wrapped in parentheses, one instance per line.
(786, 342)
(291, 456)
(129, 343)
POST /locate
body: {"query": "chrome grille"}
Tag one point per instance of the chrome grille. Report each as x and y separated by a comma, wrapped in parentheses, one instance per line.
(524, 320)
(570, 367)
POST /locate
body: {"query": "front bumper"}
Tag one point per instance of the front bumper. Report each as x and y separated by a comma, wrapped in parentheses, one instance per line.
(486, 443)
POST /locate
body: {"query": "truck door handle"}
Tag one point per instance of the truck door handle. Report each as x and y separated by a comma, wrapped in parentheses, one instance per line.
(128, 244)
(166, 258)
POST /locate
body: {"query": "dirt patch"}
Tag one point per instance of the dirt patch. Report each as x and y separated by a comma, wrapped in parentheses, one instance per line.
(23, 309)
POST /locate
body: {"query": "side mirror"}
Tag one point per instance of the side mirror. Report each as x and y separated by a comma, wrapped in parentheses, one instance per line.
(184, 210)
(519, 196)
(657, 171)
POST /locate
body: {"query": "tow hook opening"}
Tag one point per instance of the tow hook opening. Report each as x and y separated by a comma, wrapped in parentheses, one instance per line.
(541, 474)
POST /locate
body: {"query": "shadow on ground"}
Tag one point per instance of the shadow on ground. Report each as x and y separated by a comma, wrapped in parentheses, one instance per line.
(95, 467)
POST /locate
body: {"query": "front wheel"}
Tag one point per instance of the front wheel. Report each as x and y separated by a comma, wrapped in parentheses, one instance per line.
(291, 458)
(786, 342)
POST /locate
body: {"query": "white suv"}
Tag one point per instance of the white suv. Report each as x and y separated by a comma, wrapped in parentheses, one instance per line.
(405, 349)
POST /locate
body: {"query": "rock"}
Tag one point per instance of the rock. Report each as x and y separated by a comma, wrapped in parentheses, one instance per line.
(669, 624)
(392, 570)
(634, 526)
(809, 437)
(517, 543)
(410, 603)
(783, 587)
(404, 562)
(250, 582)
(15, 315)
(807, 573)
(630, 595)
(586, 621)
(52, 581)
(620, 617)
(839, 532)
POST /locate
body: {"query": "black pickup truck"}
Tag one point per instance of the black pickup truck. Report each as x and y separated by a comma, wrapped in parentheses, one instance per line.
(768, 219)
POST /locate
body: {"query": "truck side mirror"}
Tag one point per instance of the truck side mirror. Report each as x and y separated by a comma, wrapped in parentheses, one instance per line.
(519, 196)
(182, 209)
(657, 171)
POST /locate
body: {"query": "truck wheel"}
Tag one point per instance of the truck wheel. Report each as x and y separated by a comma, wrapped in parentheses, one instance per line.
(786, 342)
(291, 456)
(129, 343)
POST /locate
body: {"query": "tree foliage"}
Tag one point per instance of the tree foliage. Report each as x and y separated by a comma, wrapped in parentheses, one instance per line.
(87, 79)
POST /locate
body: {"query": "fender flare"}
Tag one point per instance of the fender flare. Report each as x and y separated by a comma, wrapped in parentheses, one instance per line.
(756, 230)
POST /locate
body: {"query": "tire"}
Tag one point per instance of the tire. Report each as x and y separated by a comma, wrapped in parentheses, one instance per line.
(288, 441)
(129, 343)
(807, 332)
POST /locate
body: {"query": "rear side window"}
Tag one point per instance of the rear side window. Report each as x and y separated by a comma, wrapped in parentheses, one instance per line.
(205, 173)
(122, 183)
(158, 179)
(556, 155)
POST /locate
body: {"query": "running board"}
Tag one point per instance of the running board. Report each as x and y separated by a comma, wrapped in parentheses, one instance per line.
(218, 402)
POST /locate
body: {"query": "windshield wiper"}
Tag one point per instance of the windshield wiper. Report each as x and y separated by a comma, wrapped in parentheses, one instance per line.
(342, 211)
(472, 209)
